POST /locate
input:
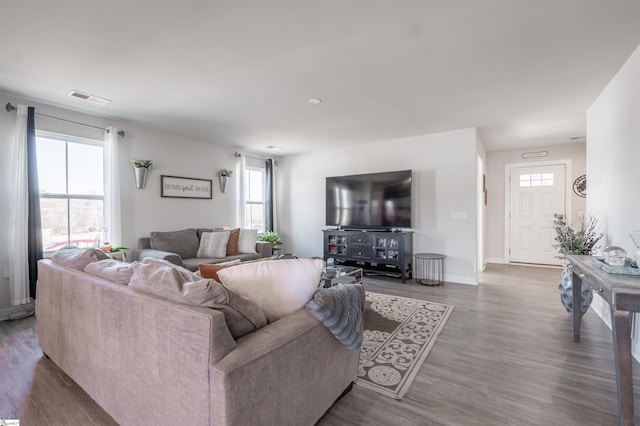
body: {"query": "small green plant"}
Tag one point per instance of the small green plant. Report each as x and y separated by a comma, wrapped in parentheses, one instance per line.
(142, 164)
(271, 237)
(570, 241)
(225, 172)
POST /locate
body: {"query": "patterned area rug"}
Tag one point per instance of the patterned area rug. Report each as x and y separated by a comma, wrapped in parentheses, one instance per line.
(399, 332)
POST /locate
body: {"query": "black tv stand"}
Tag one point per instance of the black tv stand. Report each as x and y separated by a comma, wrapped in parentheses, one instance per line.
(383, 252)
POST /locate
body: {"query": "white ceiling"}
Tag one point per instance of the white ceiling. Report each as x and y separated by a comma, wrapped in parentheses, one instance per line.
(241, 73)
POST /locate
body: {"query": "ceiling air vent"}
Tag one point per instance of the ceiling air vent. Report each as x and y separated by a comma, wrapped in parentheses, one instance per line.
(89, 98)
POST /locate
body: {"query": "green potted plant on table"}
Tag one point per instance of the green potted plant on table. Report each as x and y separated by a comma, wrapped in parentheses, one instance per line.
(273, 238)
(569, 241)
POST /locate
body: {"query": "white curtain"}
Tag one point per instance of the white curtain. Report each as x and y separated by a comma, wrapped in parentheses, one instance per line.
(112, 215)
(18, 227)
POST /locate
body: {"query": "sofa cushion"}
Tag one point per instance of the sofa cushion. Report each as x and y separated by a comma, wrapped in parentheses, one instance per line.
(247, 240)
(164, 279)
(213, 244)
(185, 243)
(279, 287)
(77, 258)
(201, 231)
(111, 269)
(210, 270)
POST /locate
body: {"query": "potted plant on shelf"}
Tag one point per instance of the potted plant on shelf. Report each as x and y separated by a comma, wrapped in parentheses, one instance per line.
(141, 168)
(224, 175)
(569, 241)
(273, 238)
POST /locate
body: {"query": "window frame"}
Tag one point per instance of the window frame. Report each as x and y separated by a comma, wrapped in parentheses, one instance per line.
(69, 196)
(259, 165)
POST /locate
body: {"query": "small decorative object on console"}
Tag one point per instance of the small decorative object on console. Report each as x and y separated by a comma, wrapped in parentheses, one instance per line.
(615, 256)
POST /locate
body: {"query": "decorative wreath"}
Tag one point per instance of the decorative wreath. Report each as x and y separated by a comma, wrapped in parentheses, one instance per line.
(580, 186)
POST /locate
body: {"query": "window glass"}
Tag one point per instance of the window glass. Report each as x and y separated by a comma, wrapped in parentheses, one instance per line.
(52, 176)
(536, 179)
(254, 181)
(85, 169)
(70, 175)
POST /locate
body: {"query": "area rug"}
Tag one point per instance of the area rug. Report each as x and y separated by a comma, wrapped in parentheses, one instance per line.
(399, 332)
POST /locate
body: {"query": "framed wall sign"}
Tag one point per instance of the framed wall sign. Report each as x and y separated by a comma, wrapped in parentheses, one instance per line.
(183, 187)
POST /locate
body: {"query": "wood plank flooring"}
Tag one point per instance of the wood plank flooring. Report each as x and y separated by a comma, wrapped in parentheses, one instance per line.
(505, 357)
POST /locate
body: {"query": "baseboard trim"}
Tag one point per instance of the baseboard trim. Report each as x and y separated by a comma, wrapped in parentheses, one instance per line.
(495, 260)
(15, 312)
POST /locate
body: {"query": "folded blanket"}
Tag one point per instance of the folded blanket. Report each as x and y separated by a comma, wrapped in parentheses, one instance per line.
(341, 309)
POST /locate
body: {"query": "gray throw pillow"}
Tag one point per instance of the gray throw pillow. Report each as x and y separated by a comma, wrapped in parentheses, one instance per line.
(164, 279)
(77, 258)
(242, 315)
(185, 243)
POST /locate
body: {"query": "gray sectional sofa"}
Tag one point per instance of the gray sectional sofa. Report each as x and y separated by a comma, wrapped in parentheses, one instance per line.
(181, 247)
(148, 360)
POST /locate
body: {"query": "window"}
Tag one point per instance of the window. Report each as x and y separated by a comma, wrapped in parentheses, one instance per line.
(70, 176)
(537, 179)
(254, 181)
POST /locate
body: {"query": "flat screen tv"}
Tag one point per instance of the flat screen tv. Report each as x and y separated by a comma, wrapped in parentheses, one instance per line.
(370, 201)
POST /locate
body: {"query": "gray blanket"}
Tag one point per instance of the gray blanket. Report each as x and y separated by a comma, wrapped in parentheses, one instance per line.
(341, 309)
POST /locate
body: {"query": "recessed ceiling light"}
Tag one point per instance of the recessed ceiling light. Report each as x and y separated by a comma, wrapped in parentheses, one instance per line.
(272, 147)
(315, 101)
(89, 98)
(575, 138)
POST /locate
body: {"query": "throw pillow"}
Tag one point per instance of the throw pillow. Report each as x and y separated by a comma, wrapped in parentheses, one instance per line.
(242, 315)
(184, 243)
(213, 244)
(164, 279)
(201, 231)
(112, 270)
(247, 240)
(161, 278)
(210, 270)
(77, 258)
(234, 240)
(279, 287)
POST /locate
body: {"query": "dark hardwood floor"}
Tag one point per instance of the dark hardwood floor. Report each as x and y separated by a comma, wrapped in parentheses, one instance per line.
(505, 357)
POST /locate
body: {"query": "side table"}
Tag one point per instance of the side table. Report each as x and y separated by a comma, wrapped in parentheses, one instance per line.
(429, 268)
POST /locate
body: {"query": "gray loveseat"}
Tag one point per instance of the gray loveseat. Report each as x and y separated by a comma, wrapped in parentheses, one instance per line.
(181, 247)
(150, 361)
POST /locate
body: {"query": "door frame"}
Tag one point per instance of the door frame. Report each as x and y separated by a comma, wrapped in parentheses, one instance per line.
(568, 202)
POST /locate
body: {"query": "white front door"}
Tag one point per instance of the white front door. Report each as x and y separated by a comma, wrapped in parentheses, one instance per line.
(536, 193)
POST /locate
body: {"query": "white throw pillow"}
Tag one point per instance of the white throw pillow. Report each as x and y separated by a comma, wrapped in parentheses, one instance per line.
(279, 287)
(247, 241)
(213, 244)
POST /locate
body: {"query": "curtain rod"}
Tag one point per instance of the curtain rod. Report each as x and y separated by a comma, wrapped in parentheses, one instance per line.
(10, 108)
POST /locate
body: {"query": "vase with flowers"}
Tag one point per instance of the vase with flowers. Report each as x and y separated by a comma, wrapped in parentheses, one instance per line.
(583, 241)
(141, 169)
(224, 176)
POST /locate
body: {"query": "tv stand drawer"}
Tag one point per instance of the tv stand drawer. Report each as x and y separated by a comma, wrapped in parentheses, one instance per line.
(360, 239)
(363, 252)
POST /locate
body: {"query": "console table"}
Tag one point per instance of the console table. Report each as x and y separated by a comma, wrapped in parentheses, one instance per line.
(622, 292)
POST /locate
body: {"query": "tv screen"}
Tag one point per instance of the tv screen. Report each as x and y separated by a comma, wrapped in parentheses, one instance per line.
(374, 200)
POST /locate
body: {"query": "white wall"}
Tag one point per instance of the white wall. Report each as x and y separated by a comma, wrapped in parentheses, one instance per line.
(496, 162)
(143, 210)
(613, 164)
(445, 169)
